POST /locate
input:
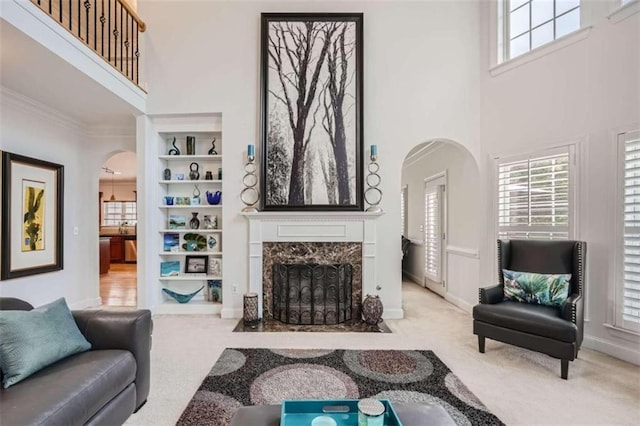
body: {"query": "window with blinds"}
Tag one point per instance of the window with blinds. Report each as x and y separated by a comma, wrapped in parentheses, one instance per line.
(116, 213)
(629, 294)
(432, 232)
(534, 197)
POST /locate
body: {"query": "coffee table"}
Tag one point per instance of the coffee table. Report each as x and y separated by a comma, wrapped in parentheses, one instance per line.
(410, 414)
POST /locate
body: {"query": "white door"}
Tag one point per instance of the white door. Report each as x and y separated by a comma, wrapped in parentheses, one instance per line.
(435, 233)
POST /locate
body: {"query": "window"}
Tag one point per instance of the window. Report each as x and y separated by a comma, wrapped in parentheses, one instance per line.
(533, 23)
(628, 294)
(433, 232)
(116, 213)
(403, 209)
(534, 196)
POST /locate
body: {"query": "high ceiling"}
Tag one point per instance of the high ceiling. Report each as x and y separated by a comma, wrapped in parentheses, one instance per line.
(30, 69)
(124, 166)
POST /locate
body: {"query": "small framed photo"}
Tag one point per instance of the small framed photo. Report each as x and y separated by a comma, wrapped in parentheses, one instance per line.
(196, 264)
(215, 266)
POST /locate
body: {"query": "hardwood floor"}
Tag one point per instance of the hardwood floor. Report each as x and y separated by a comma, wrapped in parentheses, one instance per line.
(118, 287)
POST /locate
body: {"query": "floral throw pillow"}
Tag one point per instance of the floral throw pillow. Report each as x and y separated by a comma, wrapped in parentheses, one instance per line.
(540, 289)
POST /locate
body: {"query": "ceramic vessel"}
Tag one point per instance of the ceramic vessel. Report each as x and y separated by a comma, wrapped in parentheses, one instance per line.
(194, 223)
(372, 309)
(167, 174)
(214, 197)
(194, 174)
(212, 243)
(210, 222)
(179, 297)
(191, 145)
(208, 175)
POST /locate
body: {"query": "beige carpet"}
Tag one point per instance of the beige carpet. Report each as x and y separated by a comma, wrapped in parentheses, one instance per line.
(518, 386)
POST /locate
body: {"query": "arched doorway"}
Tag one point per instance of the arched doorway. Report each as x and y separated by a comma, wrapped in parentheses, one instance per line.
(117, 218)
(441, 226)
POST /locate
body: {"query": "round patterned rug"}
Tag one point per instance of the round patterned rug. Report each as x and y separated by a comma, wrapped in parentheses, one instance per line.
(244, 377)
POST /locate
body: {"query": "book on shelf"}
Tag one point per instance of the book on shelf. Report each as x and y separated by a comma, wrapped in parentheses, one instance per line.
(171, 242)
(170, 269)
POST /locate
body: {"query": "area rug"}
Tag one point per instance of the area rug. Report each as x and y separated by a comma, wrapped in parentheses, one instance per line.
(243, 377)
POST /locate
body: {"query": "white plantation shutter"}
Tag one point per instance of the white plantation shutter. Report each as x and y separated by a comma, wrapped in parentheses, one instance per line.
(534, 196)
(629, 302)
(433, 232)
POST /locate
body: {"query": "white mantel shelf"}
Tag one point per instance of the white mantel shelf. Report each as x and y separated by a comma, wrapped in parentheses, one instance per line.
(316, 226)
(319, 216)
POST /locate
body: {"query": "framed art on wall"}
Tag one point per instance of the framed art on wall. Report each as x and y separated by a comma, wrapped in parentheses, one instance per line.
(32, 216)
(311, 101)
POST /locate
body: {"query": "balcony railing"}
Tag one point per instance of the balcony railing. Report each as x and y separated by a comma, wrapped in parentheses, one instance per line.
(111, 28)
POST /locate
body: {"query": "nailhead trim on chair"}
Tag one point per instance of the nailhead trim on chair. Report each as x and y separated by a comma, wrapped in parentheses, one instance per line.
(499, 260)
(580, 249)
(480, 295)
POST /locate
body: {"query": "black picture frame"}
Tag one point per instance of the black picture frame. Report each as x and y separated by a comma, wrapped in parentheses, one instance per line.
(338, 169)
(192, 264)
(32, 237)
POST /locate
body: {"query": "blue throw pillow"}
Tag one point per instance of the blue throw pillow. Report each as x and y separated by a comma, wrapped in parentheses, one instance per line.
(31, 340)
(540, 289)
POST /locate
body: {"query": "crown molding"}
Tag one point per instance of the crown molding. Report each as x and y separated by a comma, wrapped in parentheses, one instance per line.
(101, 131)
(40, 110)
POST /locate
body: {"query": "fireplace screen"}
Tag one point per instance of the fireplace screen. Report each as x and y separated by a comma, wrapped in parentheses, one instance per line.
(308, 293)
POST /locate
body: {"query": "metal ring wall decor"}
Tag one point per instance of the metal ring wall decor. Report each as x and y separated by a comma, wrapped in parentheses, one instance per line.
(373, 194)
(249, 195)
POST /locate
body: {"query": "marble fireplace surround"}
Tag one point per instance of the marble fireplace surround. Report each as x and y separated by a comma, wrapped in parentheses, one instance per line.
(266, 228)
(311, 252)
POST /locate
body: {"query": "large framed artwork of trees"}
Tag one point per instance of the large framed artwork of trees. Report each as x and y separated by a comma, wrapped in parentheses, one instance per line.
(311, 111)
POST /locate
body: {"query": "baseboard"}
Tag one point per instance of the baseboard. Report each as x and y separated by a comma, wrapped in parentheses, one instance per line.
(462, 304)
(414, 278)
(86, 303)
(393, 314)
(231, 313)
(616, 351)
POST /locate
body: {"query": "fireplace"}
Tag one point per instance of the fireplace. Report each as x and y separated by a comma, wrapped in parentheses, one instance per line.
(311, 253)
(309, 293)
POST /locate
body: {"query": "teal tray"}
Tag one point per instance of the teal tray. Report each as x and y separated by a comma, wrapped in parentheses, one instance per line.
(343, 411)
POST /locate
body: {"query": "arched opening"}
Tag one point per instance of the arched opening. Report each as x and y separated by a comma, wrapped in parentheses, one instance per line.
(441, 226)
(118, 224)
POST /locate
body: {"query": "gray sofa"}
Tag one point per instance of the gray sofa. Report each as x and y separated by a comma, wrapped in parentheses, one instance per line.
(102, 386)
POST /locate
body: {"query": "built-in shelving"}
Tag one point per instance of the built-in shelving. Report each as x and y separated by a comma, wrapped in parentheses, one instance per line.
(178, 128)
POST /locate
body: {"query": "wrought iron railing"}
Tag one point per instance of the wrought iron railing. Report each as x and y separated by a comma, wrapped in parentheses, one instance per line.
(111, 28)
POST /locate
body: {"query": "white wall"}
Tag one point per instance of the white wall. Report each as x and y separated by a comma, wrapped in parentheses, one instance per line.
(34, 130)
(204, 57)
(581, 93)
(463, 223)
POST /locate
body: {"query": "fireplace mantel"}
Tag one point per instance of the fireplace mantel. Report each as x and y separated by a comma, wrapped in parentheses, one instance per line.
(319, 216)
(344, 226)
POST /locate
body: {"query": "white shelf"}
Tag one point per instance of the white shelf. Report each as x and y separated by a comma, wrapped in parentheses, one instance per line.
(191, 181)
(190, 157)
(192, 206)
(204, 127)
(191, 253)
(191, 307)
(188, 278)
(189, 231)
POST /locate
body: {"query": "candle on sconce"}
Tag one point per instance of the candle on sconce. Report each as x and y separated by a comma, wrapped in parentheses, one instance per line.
(374, 150)
(251, 150)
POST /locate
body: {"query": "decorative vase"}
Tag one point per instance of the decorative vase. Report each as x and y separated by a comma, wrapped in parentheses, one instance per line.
(212, 243)
(208, 175)
(167, 174)
(372, 309)
(194, 223)
(174, 150)
(213, 151)
(191, 145)
(194, 174)
(214, 197)
(181, 297)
